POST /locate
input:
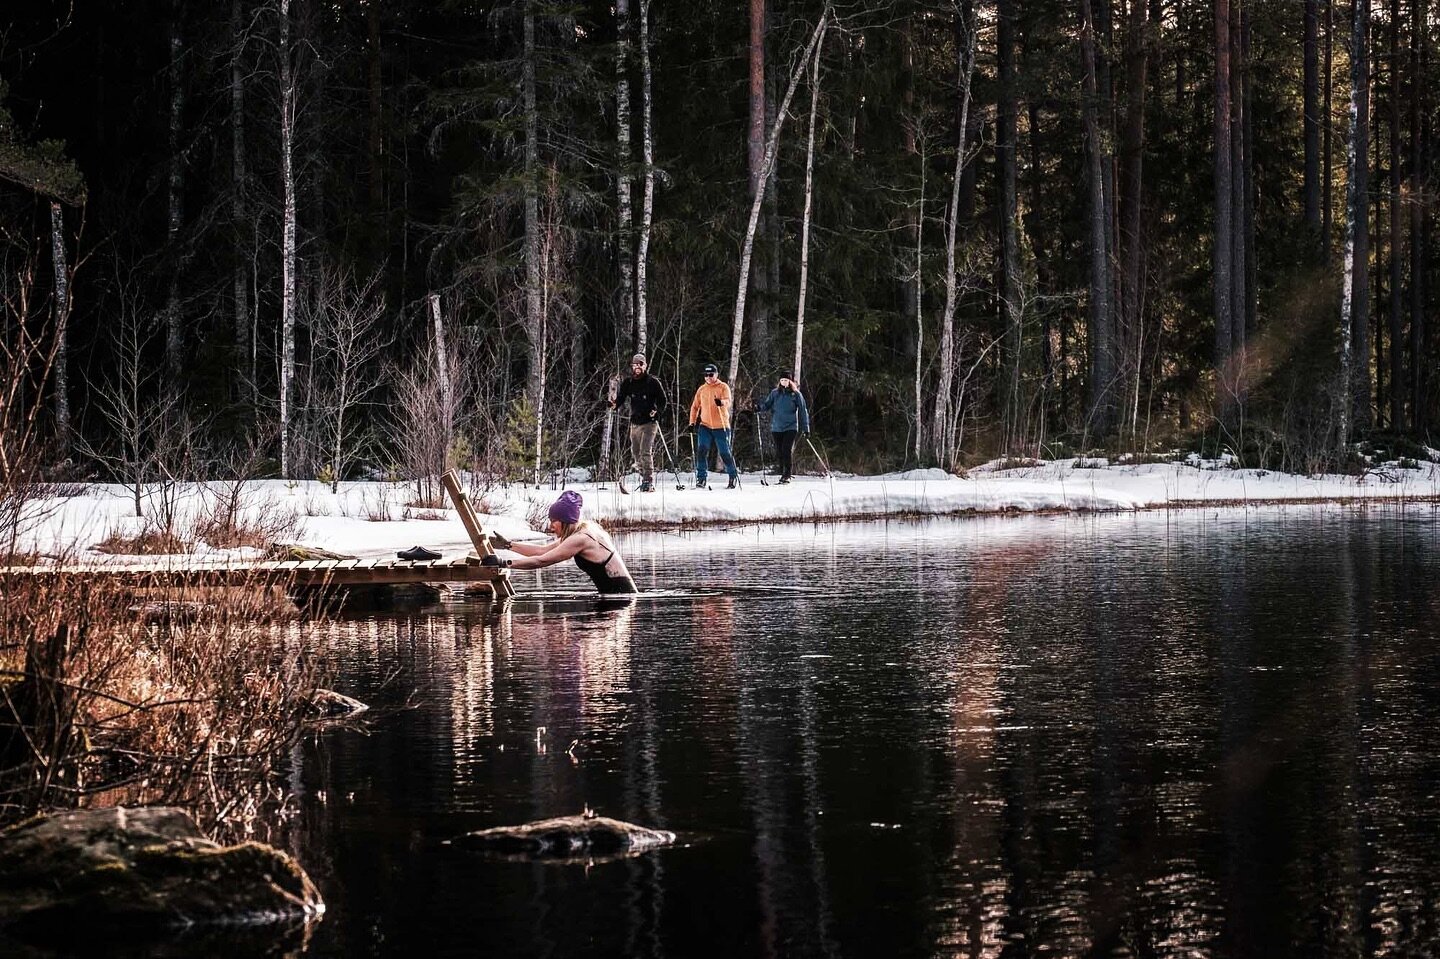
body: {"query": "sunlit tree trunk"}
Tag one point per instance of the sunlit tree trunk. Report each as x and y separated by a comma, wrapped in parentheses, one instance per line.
(1397, 331)
(772, 145)
(1132, 198)
(1353, 306)
(1418, 185)
(287, 244)
(59, 368)
(916, 294)
(625, 240)
(244, 351)
(1005, 145)
(1102, 371)
(647, 204)
(805, 219)
(759, 178)
(1222, 261)
(940, 432)
(1327, 176)
(442, 372)
(375, 147)
(1312, 115)
(174, 331)
(533, 305)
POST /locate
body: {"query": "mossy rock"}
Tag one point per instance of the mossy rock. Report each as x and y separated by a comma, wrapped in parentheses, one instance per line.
(140, 869)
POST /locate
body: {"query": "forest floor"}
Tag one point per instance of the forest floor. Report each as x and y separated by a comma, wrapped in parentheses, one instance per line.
(371, 519)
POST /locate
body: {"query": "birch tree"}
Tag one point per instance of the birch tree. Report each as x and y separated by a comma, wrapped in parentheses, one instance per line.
(244, 345)
(174, 332)
(941, 433)
(1356, 270)
(1221, 258)
(625, 239)
(805, 218)
(287, 242)
(771, 147)
(60, 380)
(647, 203)
(1102, 372)
(534, 315)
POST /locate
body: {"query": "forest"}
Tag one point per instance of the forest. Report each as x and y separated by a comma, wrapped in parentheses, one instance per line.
(320, 239)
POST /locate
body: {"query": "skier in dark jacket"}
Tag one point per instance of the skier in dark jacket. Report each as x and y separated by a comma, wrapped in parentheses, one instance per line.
(789, 416)
(647, 402)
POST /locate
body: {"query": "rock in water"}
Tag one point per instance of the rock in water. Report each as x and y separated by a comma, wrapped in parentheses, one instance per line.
(328, 704)
(99, 870)
(566, 837)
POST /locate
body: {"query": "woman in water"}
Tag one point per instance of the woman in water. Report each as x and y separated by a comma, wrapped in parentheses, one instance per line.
(585, 542)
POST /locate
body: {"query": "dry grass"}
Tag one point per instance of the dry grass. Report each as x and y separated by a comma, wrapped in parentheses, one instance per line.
(149, 541)
(425, 514)
(100, 704)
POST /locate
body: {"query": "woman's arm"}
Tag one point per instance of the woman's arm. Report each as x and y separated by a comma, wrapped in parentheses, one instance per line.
(804, 421)
(768, 403)
(530, 549)
(557, 553)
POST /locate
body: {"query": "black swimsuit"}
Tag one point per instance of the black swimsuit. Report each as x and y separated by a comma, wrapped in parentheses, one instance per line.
(603, 580)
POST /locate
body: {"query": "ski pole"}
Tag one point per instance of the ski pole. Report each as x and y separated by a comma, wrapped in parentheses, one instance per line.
(823, 465)
(671, 459)
(760, 449)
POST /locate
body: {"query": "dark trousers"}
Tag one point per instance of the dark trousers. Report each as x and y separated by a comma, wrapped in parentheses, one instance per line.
(705, 437)
(784, 447)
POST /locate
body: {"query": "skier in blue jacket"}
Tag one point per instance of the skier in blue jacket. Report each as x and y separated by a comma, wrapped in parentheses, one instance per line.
(788, 416)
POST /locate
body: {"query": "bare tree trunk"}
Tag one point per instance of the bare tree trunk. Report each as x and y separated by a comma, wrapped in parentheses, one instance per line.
(59, 368)
(244, 349)
(174, 332)
(288, 251)
(533, 307)
(805, 220)
(442, 373)
(376, 144)
(1327, 136)
(1397, 333)
(1356, 276)
(1238, 298)
(1222, 251)
(1312, 115)
(647, 205)
(1101, 348)
(1247, 182)
(1418, 185)
(1132, 151)
(916, 291)
(625, 240)
(1005, 146)
(940, 432)
(1360, 382)
(759, 175)
(772, 145)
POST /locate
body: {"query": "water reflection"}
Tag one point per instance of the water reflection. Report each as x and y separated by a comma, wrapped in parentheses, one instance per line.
(1141, 735)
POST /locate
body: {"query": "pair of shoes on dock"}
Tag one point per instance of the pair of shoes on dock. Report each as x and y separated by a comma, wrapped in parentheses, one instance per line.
(418, 553)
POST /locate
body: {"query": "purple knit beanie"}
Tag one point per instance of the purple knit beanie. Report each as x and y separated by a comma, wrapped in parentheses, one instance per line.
(566, 509)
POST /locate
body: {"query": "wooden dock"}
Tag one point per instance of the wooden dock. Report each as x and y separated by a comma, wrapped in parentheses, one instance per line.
(308, 574)
(322, 574)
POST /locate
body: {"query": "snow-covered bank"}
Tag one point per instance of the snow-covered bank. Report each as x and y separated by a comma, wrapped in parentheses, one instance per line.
(373, 519)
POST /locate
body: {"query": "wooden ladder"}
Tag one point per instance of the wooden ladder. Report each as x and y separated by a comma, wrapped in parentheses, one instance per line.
(450, 479)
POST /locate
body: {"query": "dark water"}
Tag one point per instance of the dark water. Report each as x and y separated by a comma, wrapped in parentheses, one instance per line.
(1194, 735)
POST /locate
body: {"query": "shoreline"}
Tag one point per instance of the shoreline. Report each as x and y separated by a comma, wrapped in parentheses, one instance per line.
(629, 525)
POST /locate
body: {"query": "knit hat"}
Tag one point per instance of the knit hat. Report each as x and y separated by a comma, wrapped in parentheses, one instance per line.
(566, 509)
(787, 376)
(637, 358)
